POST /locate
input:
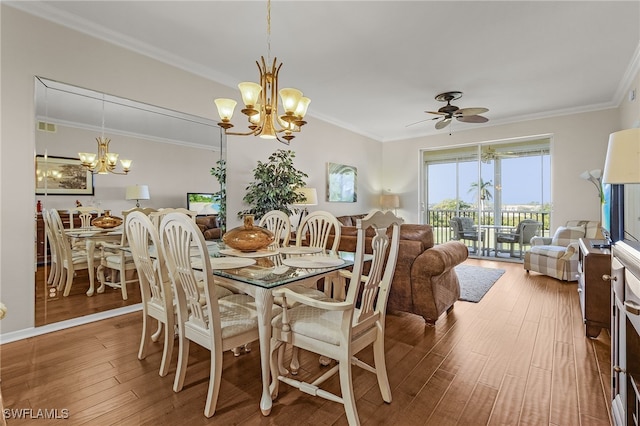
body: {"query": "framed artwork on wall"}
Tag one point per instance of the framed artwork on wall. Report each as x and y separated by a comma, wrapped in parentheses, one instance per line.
(342, 183)
(62, 176)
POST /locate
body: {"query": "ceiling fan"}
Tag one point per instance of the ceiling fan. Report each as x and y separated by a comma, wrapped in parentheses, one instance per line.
(449, 112)
(489, 154)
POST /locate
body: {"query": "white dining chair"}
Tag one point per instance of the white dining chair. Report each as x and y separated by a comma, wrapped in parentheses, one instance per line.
(155, 285)
(55, 257)
(339, 329)
(72, 258)
(315, 228)
(117, 260)
(277, 222)
(215, 324)
(85, 213)
(156, 217)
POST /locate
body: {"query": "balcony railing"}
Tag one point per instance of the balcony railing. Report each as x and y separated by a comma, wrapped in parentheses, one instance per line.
(439, 220)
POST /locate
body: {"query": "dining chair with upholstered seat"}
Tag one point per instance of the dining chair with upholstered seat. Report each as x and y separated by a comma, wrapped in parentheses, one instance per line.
(155, 285)
(217, 324)
(85, 213)
(156, 216)
(315, 228)
(341, 329)
(118, 261)
(72, 258)
(277, 222)
(55, 268)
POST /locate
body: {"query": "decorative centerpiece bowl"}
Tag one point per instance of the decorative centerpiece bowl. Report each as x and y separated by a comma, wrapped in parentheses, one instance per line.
(248, 237)
(106, 221)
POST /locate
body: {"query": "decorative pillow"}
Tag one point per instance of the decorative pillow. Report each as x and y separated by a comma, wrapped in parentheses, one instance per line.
(566, 235)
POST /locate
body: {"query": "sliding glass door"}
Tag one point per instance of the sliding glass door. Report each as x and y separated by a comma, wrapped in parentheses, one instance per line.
(492, 185)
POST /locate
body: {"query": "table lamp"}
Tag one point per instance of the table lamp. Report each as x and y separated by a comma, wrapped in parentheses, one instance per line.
(310, 199)
(137, 192)
(390, 201)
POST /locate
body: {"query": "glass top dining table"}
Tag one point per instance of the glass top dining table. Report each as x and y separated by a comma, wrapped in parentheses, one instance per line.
(272, 268)
(258, 273)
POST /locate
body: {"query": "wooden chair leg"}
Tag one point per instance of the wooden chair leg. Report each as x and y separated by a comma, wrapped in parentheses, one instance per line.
(123, 283)
(348, 398)
(215, 376)
(145, 336)
(381, 369)
(167, 351)
(183, 358)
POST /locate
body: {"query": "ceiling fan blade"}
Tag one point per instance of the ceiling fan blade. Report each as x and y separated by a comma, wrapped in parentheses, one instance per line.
(471, 111)
(436, 112)
(473, 119)
(443, 123)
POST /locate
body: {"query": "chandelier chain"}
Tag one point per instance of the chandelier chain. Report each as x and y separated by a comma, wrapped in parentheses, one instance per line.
(268, 31)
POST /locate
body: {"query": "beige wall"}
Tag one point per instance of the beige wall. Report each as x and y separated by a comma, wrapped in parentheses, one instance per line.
(31, 46)
(630, 109)
(168, 169)
(578, 143)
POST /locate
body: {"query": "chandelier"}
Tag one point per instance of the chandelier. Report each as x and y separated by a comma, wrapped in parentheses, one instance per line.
(261, 102)
(104, 162)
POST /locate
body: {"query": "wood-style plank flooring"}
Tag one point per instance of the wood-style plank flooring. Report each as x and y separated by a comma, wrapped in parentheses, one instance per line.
(519, 356)
(50, 310)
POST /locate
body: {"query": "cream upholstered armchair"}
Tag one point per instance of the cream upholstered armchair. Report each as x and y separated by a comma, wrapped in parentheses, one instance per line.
(557, 256)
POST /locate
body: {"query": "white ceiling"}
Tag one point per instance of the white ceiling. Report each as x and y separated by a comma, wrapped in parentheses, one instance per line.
(375, 66)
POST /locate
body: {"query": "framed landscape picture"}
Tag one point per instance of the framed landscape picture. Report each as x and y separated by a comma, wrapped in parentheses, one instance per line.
(342, 183)
(62, 176)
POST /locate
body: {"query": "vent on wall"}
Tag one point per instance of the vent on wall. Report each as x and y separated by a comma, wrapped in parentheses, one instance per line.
(43, 126)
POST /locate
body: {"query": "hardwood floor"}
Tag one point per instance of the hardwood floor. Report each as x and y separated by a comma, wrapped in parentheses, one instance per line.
(519, 356)
(49, 310)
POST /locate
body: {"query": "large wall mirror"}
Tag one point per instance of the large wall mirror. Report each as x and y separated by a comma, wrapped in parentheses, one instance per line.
(172, 154)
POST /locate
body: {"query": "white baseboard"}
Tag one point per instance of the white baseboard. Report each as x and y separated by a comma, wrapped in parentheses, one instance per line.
(49, 328)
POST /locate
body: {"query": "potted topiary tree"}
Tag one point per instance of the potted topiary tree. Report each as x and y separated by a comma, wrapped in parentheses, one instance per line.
(274, 186)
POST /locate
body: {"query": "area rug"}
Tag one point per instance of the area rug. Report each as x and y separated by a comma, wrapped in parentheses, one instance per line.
(475, 281)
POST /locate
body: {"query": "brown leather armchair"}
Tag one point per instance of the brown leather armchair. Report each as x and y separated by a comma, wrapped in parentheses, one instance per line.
(425, 282)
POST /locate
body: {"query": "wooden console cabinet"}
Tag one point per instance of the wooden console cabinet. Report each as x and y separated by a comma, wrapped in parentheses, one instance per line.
(595, 293)
(625, 334)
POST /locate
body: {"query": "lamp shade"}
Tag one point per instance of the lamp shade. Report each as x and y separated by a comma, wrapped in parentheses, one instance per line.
(389, 201)
(311, 197)
(137, 192)
(622, 164)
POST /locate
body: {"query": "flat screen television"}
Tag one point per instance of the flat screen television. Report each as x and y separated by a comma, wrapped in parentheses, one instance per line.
(613, 212)
(203, 203)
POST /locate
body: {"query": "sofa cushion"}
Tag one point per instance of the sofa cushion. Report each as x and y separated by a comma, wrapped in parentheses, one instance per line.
(566, 235)
(350, 220)
(554, 252)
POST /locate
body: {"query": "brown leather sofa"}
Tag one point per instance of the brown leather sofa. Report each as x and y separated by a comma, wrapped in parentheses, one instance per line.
(425, 282)
(209, 227)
